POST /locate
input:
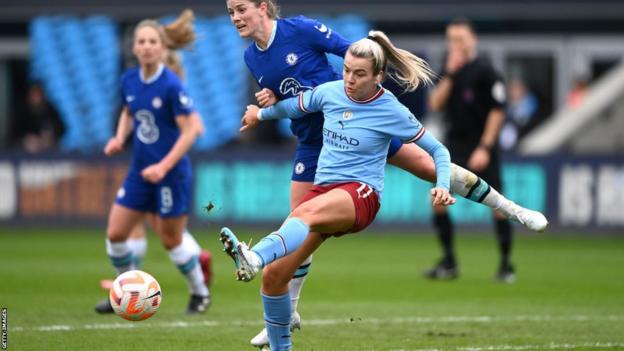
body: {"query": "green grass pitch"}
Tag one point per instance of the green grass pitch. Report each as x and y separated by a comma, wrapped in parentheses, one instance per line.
(365, 292)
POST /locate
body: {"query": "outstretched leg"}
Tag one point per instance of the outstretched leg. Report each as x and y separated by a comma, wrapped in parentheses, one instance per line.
(465, 183)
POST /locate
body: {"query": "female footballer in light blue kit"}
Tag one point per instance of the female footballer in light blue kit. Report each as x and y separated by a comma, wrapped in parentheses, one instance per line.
(159, 180)
(289, 56)
(361, 118)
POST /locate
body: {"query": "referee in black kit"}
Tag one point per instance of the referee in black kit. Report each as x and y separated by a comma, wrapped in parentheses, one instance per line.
(472, 95)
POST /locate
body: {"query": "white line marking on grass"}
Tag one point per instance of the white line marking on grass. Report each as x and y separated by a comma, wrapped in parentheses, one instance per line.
(551, 346)
(325, 322)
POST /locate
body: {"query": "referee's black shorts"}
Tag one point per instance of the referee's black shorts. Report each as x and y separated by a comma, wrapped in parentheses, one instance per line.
(491, 174)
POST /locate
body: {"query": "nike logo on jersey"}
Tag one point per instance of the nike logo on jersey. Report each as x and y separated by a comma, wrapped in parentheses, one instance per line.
(130, 98)
(260, 79)
(322, 28)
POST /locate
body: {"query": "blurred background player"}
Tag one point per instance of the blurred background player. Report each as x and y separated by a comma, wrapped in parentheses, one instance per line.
(349, 180)
(472, 95)
(159, 180)
(137, 241)
(284, 67)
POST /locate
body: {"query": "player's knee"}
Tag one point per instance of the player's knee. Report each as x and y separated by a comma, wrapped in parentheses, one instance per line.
(306, 212)
(274, 278)
(116, 234)
(169, 242)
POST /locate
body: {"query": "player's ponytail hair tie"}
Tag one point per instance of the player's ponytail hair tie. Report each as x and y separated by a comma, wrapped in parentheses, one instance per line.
(371, 37)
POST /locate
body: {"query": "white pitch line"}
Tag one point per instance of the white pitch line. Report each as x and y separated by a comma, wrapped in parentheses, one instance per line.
(551, 346)
(324, 322)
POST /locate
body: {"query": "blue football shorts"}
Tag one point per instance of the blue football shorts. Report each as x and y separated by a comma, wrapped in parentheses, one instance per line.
(169, 198)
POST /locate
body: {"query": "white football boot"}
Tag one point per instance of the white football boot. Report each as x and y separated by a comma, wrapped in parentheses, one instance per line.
(261, 340)
(533, 220)
(247, 262)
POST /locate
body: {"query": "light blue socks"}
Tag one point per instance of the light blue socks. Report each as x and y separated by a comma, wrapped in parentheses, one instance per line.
(282, 242)
(277, 320)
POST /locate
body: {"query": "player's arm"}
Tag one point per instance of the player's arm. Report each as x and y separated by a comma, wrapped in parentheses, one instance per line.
(410, 130)
(190, 128)
(124, 128)
(493, 124)
(440, 94)
(442, 159)
(438, 97)
(295, 107)
(198, 123)
(440, 155)
(480, 157)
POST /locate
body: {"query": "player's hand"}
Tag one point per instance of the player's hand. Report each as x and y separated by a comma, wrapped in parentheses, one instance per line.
(266, 97)
(154, 173)
(113, 146)
(441, 196)
(455, 60)
(250, 119)
(479, 160)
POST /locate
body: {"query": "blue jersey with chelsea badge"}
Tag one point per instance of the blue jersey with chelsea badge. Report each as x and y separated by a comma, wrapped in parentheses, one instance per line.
(294, 61)
(154, 105)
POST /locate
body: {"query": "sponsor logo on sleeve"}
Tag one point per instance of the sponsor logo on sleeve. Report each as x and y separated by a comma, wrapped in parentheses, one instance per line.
(498, 92)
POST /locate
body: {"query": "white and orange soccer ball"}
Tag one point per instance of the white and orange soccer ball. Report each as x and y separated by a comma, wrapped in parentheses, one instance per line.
(135, 295)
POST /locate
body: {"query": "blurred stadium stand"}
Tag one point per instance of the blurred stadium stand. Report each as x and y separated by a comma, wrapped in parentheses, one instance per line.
(77, 61)
(216, 78)
(596, 126)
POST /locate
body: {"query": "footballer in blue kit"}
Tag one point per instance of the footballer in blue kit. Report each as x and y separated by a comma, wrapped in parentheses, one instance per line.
(160, 115)
(154, 104)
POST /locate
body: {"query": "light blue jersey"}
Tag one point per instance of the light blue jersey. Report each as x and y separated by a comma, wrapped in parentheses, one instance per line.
(357, 134)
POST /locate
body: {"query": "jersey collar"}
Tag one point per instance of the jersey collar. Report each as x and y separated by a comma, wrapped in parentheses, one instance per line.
(152, 79)
(370, 99)
(271, 38)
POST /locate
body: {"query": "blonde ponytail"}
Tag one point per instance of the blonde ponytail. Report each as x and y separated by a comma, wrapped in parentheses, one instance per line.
(180, 32)
(177, 35)
(173, 61)
(410, 71)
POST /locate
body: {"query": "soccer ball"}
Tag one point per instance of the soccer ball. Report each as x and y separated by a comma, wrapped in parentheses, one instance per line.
(135, 295)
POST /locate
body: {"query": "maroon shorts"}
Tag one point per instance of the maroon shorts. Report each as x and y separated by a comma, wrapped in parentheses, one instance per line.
(364, 198)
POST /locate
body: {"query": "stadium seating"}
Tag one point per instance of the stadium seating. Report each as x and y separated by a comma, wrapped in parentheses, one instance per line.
(78, 62)
(216, 78)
